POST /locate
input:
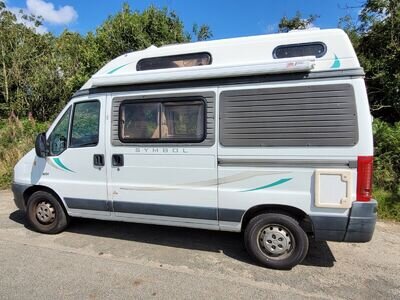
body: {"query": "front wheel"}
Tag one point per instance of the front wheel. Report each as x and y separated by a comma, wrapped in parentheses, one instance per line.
(45, 213)
(276, 241)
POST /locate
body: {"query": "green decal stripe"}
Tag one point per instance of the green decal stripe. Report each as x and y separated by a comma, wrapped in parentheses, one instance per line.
(278, 182)
(336, 63)
(117, 68)
(61, 165)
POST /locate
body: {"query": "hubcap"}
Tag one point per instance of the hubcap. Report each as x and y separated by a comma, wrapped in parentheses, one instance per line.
(275, 241)
(45, 212)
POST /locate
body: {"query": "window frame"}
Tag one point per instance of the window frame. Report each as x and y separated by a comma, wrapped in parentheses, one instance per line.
(161, 101)
(299, 45)
(176, 56)
(71, 123)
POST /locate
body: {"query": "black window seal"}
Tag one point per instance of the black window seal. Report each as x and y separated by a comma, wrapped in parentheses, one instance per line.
(297, 45)
(160, 140)
(176, 56)
(72, 121)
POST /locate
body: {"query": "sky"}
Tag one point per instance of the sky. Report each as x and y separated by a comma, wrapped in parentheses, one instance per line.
(226, 18)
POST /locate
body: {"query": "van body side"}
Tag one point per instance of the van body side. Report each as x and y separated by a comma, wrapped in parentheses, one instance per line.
(272, 138)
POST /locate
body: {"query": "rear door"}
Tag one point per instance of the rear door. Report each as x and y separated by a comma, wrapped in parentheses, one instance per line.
(162, 156)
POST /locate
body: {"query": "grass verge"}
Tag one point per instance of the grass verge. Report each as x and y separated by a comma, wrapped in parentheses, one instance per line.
(388, 204)
(17, 137)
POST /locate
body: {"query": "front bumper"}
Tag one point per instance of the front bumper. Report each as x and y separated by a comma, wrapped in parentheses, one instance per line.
(358, 227)
(18, 190)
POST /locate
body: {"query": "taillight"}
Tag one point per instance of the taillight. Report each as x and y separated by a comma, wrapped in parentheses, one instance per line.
(364, 178)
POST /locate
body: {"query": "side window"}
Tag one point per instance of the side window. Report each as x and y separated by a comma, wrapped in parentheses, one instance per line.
(58, 138)
(174, 61)
(172, 121)
(183, 120)
(85, 124)
(317, 49)
(139, 121)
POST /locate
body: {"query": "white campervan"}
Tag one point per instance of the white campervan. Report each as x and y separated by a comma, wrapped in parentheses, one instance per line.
(268, 135)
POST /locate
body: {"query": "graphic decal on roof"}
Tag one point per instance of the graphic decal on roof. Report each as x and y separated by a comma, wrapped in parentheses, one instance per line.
(336, 63)
(117, 68)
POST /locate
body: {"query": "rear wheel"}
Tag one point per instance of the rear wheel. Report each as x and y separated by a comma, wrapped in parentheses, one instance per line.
(276, 241)
(46, 214)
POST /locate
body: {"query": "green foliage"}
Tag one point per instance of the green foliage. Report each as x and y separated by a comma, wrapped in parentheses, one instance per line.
(388, 204)
(131, 30)
(16, 138)
(203, 32)
(387, 168)
(296, 22)
(387, 155)
(376, 38)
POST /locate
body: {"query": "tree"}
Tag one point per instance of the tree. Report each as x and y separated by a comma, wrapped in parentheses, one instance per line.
(132, 30)
(296, 22)
(376, 39)
(25, 56)
(202, 33)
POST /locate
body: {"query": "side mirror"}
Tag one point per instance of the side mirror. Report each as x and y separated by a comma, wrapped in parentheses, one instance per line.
(40, 145)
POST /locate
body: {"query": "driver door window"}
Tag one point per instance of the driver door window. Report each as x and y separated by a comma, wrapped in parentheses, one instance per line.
(84, 129)
(85, 124)
(59, 136)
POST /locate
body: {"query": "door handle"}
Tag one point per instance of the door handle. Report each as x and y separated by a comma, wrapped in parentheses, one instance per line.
(98, 160)
(117, 160)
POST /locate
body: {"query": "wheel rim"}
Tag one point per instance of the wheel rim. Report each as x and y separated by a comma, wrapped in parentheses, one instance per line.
(276, 241)
(45, 212)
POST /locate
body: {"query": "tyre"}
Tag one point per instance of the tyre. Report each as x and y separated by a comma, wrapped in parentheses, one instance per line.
(45, 213)
(276, 241)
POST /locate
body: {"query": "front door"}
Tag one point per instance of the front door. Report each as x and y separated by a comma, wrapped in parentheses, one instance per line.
(163, 159)
(75, 166)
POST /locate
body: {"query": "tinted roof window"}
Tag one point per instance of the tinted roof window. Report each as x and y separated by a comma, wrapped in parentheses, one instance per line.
(174, 61)
(296, 50)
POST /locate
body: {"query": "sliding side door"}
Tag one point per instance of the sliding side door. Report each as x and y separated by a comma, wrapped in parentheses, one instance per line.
(162, 158)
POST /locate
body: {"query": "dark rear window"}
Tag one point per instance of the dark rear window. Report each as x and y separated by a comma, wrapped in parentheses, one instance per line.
(174, 61)
(317, 49)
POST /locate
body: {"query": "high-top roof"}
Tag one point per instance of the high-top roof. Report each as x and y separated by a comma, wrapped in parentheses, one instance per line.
(295, 51)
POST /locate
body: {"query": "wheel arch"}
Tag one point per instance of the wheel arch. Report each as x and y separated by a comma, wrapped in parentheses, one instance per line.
(294, 212)
(36, 188)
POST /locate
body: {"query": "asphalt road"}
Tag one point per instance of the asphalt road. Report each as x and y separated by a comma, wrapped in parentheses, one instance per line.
(97, 260)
